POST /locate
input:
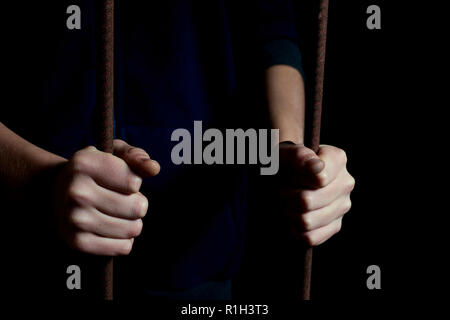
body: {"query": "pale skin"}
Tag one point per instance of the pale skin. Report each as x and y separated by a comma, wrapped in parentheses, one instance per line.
(98, 208)
(317, 194)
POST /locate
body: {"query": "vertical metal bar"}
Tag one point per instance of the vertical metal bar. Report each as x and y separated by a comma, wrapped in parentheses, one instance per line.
(105, 104)
(314, 134)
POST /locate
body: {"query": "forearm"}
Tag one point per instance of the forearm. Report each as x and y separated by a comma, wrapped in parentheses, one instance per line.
(286, 101)
(21, 160)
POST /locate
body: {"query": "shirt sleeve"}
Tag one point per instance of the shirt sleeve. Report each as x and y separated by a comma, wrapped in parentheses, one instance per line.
(282, 52)
(277, 35)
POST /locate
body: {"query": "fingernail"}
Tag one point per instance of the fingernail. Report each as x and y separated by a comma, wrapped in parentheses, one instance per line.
(144, 208)
(156, 165)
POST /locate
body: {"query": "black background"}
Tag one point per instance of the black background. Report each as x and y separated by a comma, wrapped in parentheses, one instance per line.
(376, 109)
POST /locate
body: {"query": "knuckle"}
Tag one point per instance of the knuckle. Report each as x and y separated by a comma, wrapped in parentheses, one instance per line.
(139, 226)
(342, 155)
(299, 152)
(351, 184)
(78, 241)
(303, 154)
(309, 239)
(77, 192)
(322, 179)
(134, 151)
(114, 163)
(125, 247)
(134, 182)
(135, 229)
(338, 226)
(306, 201)
(140, 205)
(347, 206)
(79, 219)
(306, 222)
(80, 161)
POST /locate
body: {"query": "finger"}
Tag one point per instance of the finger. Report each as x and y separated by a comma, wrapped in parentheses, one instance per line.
(334, 159)
(92, 221)
(133, 206)
(106, 169)
(136, 158)
(299, 165)
(320, 218)
(303, 200)
(319, 236)
(300, 157)
(93, 244)
(85, 192)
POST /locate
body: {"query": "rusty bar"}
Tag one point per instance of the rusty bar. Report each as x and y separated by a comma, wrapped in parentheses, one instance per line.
(314, 134)
(105, 104)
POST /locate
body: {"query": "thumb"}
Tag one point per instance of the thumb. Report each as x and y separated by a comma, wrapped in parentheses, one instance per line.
(299, 162)
(136, 158)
